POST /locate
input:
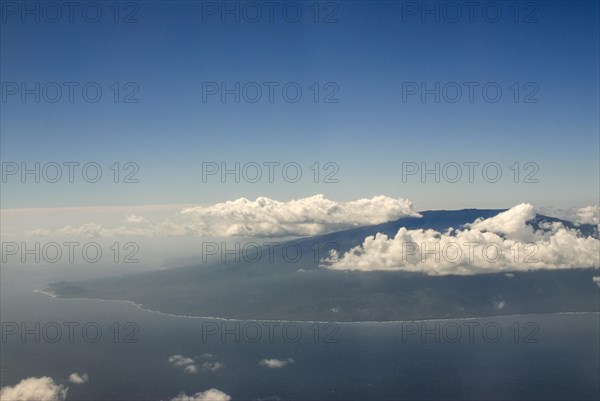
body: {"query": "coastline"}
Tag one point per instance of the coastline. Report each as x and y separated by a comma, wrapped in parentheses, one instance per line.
(141, 307)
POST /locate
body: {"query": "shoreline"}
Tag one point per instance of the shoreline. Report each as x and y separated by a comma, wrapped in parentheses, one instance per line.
(141, 307)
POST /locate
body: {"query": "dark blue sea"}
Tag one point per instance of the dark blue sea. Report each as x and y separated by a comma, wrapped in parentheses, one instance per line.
(125, 351)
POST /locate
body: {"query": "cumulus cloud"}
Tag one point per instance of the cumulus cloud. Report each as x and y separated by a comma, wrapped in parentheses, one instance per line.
(511, 223)
(499, 305)
(132, 218)
(583, 215)
(212, 366)
(191, 369)
(504, 242)
(189, 365)
(209, 395)
(275, 363)
(180, 360)
(34, 389)
(76, 378)
(262, 217)
(314, 215)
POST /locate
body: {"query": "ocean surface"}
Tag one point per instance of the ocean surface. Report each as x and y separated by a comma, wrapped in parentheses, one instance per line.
(533, 357)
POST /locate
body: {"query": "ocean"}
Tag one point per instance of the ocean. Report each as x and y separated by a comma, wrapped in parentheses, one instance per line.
(125, 351)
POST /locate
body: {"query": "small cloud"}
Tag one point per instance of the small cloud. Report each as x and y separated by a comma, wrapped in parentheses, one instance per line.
(132, 218)
(189, 364)
(191, 369)
(38, 232)
(34, 389)
(180, 360)
(509, 275)
(499, 305)
(596, 279)
(276, 363)
(209, 395)
(76, 378)
(212, 367)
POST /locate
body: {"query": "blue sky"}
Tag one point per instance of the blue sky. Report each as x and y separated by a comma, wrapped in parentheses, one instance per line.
(367, 56)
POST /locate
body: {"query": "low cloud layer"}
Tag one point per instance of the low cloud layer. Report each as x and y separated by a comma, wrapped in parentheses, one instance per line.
(262, 217)
(504, 242)
(582, 215)
(209, 395)
(34, 389)
(275, 363)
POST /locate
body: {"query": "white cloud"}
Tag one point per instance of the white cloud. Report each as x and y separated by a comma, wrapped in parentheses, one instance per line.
(191, 369)
(583, 215)
(212, 366)
(132, 218)
(78, 379)
(504, 242)
(209, 395)
(93, 230)
(275, 363)
(34, 389)
(499, 305)
(189, 364)
(314, 215)
(180, 360)
(596, 279)
(511, 223)
(262, 217)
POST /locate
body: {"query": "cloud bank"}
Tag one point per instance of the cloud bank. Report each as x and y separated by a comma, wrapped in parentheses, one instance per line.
(314, 215)
(583, 215)
(262, 217)
(504, 242)
(34, 389)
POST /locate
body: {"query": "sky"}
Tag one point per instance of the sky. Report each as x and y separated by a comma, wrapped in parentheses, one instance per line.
(368, 116)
